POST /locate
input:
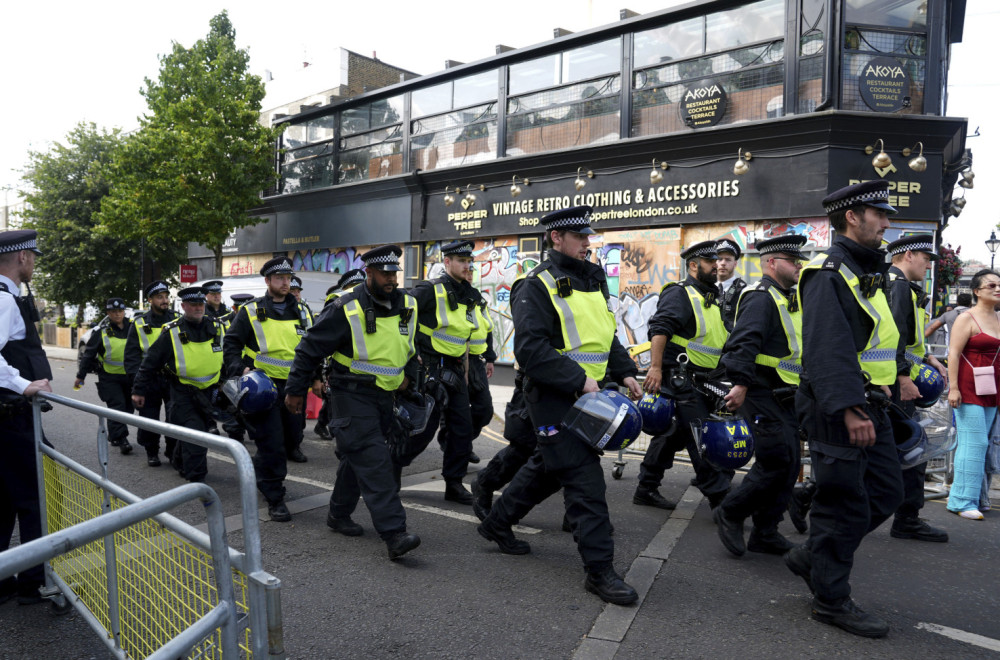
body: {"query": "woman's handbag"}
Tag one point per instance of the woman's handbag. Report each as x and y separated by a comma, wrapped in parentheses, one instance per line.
(984, 377)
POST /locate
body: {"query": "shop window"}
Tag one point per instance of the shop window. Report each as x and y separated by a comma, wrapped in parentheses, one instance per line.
(454, 94)
(456, 138)
(861, 46)
(307, 168)
(529, 244)
(413, 265)
(812, 45)
(567, 67)
(752, 77)
(370, 116)
(371, 145)
(887, 13)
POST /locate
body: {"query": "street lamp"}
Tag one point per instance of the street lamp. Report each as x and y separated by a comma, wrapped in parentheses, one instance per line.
(992, 244)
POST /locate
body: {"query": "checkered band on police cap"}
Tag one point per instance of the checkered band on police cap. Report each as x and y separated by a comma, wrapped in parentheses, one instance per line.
(382, 259)
(215, 286)
(568, 218)
(296, 283)
(866, 193)
(351, 276)
(788, 243)
(913, 243)
(155, 287)
(703, 250)
(192, 294)
(277, 266)
(457, 249)
(19, 239)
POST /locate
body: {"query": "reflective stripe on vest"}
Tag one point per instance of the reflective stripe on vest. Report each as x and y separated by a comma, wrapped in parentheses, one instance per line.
(113, 360)
(705, 348)
(146, 339)
(454, 326)
(384, 353)
(915, 348)
(878, 357)
(195, 363)
(481, 333)
(588, 326)
(788, 367)
(277, 339)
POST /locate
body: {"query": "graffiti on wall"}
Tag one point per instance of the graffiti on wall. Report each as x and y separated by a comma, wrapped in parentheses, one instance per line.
(329, 260)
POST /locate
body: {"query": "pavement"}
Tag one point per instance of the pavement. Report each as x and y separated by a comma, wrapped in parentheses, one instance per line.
(457, 596)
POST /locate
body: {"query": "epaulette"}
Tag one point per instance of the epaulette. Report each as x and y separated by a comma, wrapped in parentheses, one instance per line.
(545, 265)
(832, 262)
(669, 284)
(170, 324)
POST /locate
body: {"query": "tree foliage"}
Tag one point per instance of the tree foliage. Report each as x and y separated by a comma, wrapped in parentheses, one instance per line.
(68, 185)
(200, 158)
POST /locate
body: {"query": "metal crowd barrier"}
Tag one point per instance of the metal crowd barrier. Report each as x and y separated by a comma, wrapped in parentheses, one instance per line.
(152, 586)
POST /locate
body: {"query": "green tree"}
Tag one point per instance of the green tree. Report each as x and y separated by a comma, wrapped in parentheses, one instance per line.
(200, 158)
(68, 185)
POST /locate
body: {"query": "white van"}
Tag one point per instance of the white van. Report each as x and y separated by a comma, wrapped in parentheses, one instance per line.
(314, 286)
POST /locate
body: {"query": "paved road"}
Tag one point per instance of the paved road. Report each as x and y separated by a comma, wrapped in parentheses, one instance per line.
(457, 596)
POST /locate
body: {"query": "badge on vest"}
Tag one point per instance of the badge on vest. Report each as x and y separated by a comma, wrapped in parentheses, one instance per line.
(216, 349)
(299, 330)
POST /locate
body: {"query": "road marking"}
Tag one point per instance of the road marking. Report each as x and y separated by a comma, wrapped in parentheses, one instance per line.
(961, 636)
(493, 435)
(435, 485)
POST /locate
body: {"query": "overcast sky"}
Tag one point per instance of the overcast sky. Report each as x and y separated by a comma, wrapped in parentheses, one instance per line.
(66, 62)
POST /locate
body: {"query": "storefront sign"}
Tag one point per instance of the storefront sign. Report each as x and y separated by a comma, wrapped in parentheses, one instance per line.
(885, 85)
(704, 105)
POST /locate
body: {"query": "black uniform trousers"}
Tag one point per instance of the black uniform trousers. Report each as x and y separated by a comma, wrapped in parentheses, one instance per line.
(269, 430)
(480, 399)
(189, 408)
(360, 420)
(690, 405)
(19, 501)
(520, 434)
(455, 418)
(913, 479)
(561, 461)
(857, 489)
(115, 391)
(766, 489)
(157, 394)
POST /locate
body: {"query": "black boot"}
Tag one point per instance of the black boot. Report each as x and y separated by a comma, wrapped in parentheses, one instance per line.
(799, 561)
(849, 617)
(730, 532)
(279, 512)
(400, 543)
(769, 542)
(125, 447)
(651, 497)
(454, 491)
(482, 499)
(609, 586)
(322, 432)
(344, 526)
(503, 537)
(916, 529)
(297, 456)
(474, 458)
(153, 460)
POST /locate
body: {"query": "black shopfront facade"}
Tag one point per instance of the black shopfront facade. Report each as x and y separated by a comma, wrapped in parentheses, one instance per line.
(644, 120)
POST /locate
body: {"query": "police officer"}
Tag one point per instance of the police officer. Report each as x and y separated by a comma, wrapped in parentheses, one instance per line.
(911, 257)
(105, 355)
(189, 351)
(346, 282)
(214, 309)
(145, 330)
(851, 352)
(731, 285)
(564, 339)
(24, 371)
(450, 313)
(296, 287)
(370, 332)
(763, 359)
(688, 321)
(269, 328)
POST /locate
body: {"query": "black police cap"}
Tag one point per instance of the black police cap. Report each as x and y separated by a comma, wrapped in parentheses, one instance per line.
(115, 303)
(703, 250)
(192, 294)
(350, 277)
(385, 257)
(241, 298)
(913, 243)
(790, 244)
(155, 287)
(19, 239)
(457, 249)
(277, 266)
(296, 283)
(728, 245)
(574, 218)
(213, 286)
(866, 193)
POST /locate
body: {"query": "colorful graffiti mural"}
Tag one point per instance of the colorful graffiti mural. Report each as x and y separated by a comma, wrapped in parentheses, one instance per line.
(329, 260)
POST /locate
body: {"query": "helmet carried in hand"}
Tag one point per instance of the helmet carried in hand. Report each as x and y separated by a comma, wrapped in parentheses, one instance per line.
(251, 393)
(931, 385)
(657, 413)
(605, 420)
(724, 440)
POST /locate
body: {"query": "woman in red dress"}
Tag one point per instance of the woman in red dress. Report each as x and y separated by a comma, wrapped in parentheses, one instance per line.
(975, 343)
